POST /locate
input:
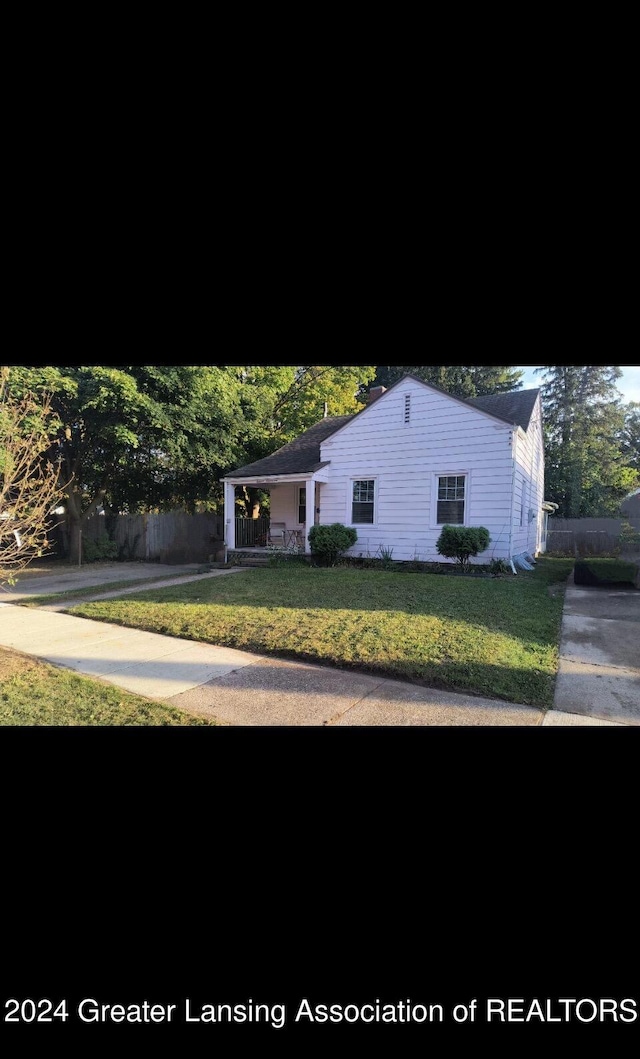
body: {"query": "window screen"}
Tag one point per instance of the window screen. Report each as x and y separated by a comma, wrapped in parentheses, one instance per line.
(451, 500)
(362, 506)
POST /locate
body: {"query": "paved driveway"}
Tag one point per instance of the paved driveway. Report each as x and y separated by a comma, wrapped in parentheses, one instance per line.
(73, 577)
(599, 673)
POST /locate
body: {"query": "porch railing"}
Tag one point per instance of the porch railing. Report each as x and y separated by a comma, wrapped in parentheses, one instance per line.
(251, 532)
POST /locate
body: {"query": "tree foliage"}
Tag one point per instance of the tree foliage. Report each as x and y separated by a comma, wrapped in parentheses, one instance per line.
(630, 440)
(29, 484)
(279, 403)
(137, 438)
(473, 381)
(587, 470)
(144, 438)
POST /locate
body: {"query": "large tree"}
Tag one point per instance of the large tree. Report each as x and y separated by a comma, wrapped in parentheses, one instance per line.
(630, 440)
(586, 471)
(140, 438)
(29, 483)
(455, 379)
(278, 403)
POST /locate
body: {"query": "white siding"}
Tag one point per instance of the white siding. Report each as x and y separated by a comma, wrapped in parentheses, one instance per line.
(284, 504)
(442, 437)
(530, 484)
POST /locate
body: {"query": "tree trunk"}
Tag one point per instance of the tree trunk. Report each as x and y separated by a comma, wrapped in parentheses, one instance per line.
(251, 501)
(74, 525)
(77, 519)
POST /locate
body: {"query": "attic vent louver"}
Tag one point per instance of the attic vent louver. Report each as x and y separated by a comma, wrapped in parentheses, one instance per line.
(407, 407)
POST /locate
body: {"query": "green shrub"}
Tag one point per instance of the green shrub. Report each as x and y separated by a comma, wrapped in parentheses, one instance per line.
(461, 542)
(98, 551)
(498, 567)
(604, 571)
(328, 542)
(629, 537)
(386, 557)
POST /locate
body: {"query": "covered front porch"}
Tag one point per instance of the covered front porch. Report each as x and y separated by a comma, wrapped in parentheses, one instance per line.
(295, 507)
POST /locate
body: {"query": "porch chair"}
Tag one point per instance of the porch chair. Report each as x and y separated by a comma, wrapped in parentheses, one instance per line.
(276, 534)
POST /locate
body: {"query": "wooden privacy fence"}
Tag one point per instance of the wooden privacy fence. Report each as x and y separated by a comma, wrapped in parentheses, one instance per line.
(172, 537)
(586, 536)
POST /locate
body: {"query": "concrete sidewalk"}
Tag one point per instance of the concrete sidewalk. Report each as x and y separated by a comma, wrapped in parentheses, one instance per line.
(598, 679)
(237, 687)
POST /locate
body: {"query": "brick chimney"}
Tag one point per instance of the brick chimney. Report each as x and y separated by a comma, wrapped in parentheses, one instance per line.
(375, 392)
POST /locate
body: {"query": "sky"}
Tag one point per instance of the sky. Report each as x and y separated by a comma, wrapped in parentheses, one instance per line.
(628, 383)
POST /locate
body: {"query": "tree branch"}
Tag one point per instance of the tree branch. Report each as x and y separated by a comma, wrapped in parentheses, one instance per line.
(298, 384)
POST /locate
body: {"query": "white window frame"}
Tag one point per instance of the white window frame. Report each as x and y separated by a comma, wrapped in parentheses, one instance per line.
(458, 473)
(362, 478)
(301, 490)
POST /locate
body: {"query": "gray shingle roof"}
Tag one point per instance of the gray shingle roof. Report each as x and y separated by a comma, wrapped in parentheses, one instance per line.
(514, 407)
(297, 457)
(302, 455)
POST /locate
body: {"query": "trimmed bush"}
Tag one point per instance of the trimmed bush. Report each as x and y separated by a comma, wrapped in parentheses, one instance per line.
(328, 542)
(461, 542)
(604, 572)
(98, 551)
(629, 537)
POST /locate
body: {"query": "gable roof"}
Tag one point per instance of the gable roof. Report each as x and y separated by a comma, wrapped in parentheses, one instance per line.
(514, 407)
(302, 455)
(298, 456)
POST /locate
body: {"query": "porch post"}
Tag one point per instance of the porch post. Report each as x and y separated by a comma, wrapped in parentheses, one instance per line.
(230, 515)
(310, 491)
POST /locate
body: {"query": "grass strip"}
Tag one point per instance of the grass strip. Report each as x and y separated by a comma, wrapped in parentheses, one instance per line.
(36, 693)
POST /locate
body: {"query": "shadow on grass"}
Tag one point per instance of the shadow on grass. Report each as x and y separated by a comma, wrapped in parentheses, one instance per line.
(510, 684)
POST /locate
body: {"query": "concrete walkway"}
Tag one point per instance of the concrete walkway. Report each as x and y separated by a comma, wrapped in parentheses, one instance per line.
(72, 578)
(166, 582)
(598, 679)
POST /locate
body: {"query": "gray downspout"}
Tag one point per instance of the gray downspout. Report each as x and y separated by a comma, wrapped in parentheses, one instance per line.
(514, 447)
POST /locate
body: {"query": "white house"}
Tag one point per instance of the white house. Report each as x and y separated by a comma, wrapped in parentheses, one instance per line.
(414, 459)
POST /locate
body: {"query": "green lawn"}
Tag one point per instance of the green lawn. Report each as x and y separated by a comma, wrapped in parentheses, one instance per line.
(495, 637)
(36, 693)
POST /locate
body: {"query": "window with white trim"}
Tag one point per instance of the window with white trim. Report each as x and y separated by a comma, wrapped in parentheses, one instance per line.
(302, 504)
(451, 500)
(362, 501)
